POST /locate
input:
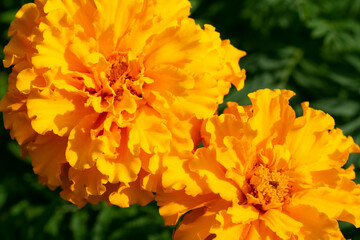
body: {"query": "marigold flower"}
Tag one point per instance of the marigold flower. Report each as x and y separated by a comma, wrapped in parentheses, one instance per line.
(264, 174)
(99, 87)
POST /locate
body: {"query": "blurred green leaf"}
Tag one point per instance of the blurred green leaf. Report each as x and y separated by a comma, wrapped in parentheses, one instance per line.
(78, 224)
(3, 196)
(7, 16)
(3, 84)
(53, 224)
(337, 107)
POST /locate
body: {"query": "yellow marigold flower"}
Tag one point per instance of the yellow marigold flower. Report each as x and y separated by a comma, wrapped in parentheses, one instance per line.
(99, 87)
(264, 173)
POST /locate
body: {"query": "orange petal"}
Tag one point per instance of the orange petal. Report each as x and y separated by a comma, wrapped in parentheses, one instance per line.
(200, 100)
(47, 155)
(226, 229)
(56, 111)
(113, 21)
(280, 223)
(216, 128)
(84, 149)
(340, 204)
(305, 141)
(128, 194)
(124, 167)
(315, 225)
(205, 164)
(149, 133)
(87, 182)
(174, 204)
(243, 213)
(274, 107)
(178, 176)
(195, 225)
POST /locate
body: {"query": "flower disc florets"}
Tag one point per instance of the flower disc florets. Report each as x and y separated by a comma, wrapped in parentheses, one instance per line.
(268, 189)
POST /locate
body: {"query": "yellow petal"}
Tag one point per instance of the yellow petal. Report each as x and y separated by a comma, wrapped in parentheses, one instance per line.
(315, 225)
(195, 225)
(169, 83)
(124, 167)
(47, 155)
(175, 46)
(280, 223)
(335, 203)
(243, 213)
(84, 149)
(231, 70)
(227, 229)
(21, 29)
(274, 107)
(178, 176)
(240, 112)
(56, 111)
(216, 128)
(74, 10)
(114, 20)
(16, 50)
(185, 132)
(128, 194)
(200, 100)
(87, 182)
(174, 204)
(206, 166)
(20, 126)
(304, 140)
(149, 133)
(155, 17)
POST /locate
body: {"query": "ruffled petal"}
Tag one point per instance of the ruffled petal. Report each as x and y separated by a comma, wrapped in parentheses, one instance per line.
(315, 225)
(47, 154)
(83, 148)
(128, 194)
(335, 203)
(149, 133)
(56, 111)
(226, 229)
(216, 128)
(195, 225)
(243, 213)
(87, 182)
(124, 166)
(174, 204)
(280, 223)
(274, 107)
(177, 175)
(206, 166)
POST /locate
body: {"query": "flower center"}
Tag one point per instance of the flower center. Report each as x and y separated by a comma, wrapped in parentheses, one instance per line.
(122, 76)
(268, 189)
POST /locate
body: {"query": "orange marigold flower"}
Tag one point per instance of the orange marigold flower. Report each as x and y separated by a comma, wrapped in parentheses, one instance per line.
(264, 173)
(99, 87)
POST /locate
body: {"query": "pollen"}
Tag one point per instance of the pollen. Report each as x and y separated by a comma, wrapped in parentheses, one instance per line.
(271, 188)
(121, 76)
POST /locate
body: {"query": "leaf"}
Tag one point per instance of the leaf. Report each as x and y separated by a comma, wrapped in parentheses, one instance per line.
(53, 224)
(337, 107)
(353, 60)
(351, 126)
(7, 16)
(78, 224)
(3, 83)
(3, 196)
(352, 84)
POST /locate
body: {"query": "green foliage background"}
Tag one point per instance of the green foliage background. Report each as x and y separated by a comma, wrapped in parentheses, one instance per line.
(309, 46)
